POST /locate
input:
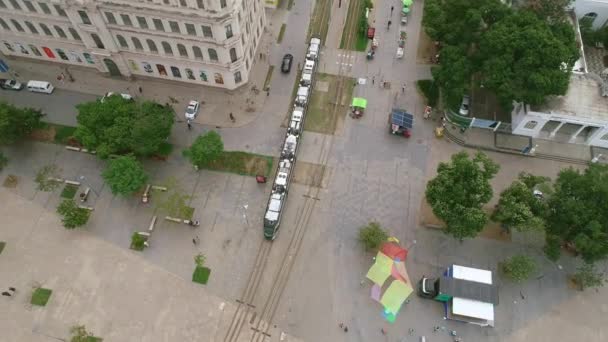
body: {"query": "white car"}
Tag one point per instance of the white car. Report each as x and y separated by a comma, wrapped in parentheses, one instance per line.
(11, 85)
(464, 106)
(192, 109)
(124, 96)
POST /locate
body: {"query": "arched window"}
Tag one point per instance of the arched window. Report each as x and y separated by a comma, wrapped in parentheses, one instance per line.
(122, 41)
(17, 25)
(167, 48)
(219, 79)
(31, 27)
(604, 137)
(35, 50)
(4, 25)
(233, 55)
(212, 55)
(237, 77)
(97, 41)
(182, 50)
(137, 44)
(62, 54)
(46, 30)
(175, 71)
(590, 16)
(190, 74)
(198, 54)
(203, 76)
(152, 46)
(74, 34)
(60, 32)
(531, 124)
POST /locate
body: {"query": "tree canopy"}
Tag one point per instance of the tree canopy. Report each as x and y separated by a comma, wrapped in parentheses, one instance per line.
(206, 148)
(73, 216)
(119, 126)
(125, 175)
(372, 236)
(16, 123)
(578, 211)
(459, 191)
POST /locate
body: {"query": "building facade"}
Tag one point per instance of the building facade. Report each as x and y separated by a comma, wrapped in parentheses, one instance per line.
(207, 42)
(595, 11)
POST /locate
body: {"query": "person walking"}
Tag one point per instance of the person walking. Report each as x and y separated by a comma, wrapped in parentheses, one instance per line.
(189, 124)
(140, 90)
(12, 289)
(194, 242)
(232, 118)
(7, 294)
(392, 8)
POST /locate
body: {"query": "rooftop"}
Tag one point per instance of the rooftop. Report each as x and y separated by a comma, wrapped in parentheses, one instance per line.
(583, 99)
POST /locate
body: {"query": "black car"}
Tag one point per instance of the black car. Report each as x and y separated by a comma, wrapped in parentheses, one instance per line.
(286, 65)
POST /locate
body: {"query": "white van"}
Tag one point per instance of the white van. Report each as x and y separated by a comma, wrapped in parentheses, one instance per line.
(40, 87)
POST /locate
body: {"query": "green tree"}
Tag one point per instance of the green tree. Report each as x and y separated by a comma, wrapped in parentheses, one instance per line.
(16, 123)
(125, 175)
(587, 276)
(519, 267)
(73, 216)
(459, 191)
(551, 10)
(200, 259)
(80, 334)
(138, 242)
(119, 126)
(578, 211)
(372, 236)
(518, 207)
(205, 149)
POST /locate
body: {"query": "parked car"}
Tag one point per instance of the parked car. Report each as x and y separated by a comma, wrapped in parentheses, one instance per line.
(464, 106)
(192, 109)
(286, 65)
(11, 85)
(124, 96)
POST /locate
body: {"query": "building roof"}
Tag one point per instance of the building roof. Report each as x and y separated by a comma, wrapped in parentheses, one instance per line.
(583, 99)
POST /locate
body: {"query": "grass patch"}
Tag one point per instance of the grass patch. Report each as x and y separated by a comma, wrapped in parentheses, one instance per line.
(241, 163)
(429, 90)
(165, 149)
(290, 5)
(281, 33)
(2, 245)
(319, 22)
(268, 77)
(361, 44)
(201, 275)
(63, 133)
(41, 296)
(321, 116)
(69, 190)
(55, 133)
(358, 16)
(187, 212)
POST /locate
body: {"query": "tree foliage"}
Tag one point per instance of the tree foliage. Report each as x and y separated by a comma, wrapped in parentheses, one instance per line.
(200, 259)
(372, 236)
(80, 334)
(519, 267)
(551, 10)
(16, 123)
(119, 126)
(578, 211)
(125, 175)
(459, 191)
(205, 149)
(518, 207)
(73, 216)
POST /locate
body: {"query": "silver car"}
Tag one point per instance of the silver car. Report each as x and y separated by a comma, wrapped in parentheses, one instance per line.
(464, 106)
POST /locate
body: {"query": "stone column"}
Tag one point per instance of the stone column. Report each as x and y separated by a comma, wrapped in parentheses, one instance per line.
(573, 136)
(556, 129)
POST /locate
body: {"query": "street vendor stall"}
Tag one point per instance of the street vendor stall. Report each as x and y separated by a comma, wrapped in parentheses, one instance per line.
(358, 107)
(401, 122)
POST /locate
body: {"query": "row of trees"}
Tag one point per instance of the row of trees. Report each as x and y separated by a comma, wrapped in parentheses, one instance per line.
(572, 210)
(16, 123)
(522, 54)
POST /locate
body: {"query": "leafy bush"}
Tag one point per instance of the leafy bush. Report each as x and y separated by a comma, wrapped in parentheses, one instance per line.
(125, 175)
(372, 236)
(73, 216)
(430, 90)
(43, 175)
(205, 149)
(552, 247)
(587, 277)
(138, 242)
(519, 267)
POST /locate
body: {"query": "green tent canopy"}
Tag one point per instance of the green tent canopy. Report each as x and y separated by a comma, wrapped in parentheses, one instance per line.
(405, 10)
(359, 102)
(407, 3)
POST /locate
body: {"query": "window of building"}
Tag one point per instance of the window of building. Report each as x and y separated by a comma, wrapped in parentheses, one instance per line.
(190, 74)
(87, 56)
(175, 72)
(110, 18)
(212, 55)
(182, 50)
(122, 41)
(62, 54)
(604, 137)
(161, 69)
(158, 24)
(530, 124)
(84, 17)
(143, 23)
(31, 27)
(590, 16)
(237, 77)
(218, 78)
(44, 7)
(60, 11)
(207, 31)
(97, 41)
(17, 25)
(152, 46)
(15, 4)
(183, 3)
(198, 54)
(4, 25)
(223, 3)
(137, 43)
(166, 2)
(228, 31)
(243, 39)
(2, 4)
(167, 48)
(200, 4)
(174, 26)
(203, 76)
(190, 29)
(35, 50)
(74, 34)
(233, 56)
(247, 64)
(46, 30)
(30, 7)
(60, 32)
(126, 19)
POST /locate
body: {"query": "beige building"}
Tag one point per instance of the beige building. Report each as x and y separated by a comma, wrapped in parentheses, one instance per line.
(208, 42)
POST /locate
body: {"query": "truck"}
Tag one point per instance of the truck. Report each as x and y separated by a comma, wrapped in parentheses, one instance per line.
(307, 73)
(468, 294)
(302, 96)
(313, 49)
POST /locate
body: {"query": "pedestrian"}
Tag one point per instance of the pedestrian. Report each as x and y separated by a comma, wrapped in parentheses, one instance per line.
(392, 8)
(341, 325)
(373, 79)
(189, 124)
(6, 294)
(232, 118)
(197, 239)
(268, 92)
(194, 242)
(383, 331)
(12, 289)
(345, 329)
(403, 89)
(140, 90)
